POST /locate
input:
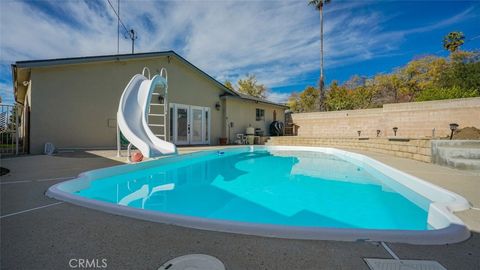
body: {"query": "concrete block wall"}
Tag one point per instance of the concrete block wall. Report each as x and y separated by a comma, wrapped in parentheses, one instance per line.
(417, 149)
(414, 120)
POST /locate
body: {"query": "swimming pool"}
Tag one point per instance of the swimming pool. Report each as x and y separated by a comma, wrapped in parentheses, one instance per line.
(279, 191)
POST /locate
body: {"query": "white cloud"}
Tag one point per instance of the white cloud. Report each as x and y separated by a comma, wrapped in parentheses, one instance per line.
(277, 97)
(276, 40)
(27, 33)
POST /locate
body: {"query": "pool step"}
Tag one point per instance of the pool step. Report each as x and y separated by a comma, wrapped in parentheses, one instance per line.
(464, 163)
(467, 152)
(459, 154)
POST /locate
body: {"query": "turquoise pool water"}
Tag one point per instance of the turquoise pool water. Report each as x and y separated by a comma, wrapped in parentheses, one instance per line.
(294, 188)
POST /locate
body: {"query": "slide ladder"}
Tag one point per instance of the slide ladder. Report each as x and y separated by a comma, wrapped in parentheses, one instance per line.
(160, 115)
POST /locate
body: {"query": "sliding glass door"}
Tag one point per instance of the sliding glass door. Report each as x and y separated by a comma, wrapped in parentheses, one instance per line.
(182, 123)
(190, 124)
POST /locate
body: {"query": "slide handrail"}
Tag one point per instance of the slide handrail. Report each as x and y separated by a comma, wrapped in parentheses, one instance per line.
(164, 74)
(143, 72)
(162, 71)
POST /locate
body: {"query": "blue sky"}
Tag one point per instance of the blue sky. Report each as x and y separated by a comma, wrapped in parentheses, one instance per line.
(276, 40)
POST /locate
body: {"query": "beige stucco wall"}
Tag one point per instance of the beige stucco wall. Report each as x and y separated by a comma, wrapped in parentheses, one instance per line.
(414, 120)
(243, 114)
(72, 105)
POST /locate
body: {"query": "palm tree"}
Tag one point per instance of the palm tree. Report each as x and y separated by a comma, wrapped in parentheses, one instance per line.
(318, 4)
(453, 41)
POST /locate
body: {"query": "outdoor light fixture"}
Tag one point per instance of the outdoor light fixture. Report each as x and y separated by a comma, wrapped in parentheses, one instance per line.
(378, 132)
(453, 127)
(359, 132)
(218, 106)
(395, 131)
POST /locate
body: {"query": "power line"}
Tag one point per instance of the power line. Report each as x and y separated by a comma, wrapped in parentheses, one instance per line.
(131, 33)
(118, 16)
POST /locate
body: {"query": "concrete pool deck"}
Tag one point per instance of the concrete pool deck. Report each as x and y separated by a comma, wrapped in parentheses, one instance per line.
(41, 233)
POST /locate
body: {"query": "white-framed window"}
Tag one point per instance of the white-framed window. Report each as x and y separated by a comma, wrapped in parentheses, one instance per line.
(259, 114)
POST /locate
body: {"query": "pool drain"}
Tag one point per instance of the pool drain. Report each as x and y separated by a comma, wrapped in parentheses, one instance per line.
(193, 262)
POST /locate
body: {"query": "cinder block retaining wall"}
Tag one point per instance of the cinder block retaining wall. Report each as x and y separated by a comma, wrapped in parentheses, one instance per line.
(414, 120)
(417, 149)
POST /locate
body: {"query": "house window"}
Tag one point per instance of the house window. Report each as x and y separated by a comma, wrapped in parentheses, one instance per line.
(260, 114)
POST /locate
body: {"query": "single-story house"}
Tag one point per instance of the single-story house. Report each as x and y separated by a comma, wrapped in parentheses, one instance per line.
(72, 102)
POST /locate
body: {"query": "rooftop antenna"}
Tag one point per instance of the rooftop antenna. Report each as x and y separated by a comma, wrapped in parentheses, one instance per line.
(133, 36)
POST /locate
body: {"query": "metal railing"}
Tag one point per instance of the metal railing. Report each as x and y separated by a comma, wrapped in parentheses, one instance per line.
(11, 139)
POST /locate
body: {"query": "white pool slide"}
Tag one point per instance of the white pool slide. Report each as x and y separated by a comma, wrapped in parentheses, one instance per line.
(132, 116)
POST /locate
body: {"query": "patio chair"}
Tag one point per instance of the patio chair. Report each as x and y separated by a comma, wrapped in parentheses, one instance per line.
(241, 139)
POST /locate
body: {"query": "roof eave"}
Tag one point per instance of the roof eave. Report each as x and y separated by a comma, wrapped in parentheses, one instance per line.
(116, 57)
(257, 101)
(87, 59)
